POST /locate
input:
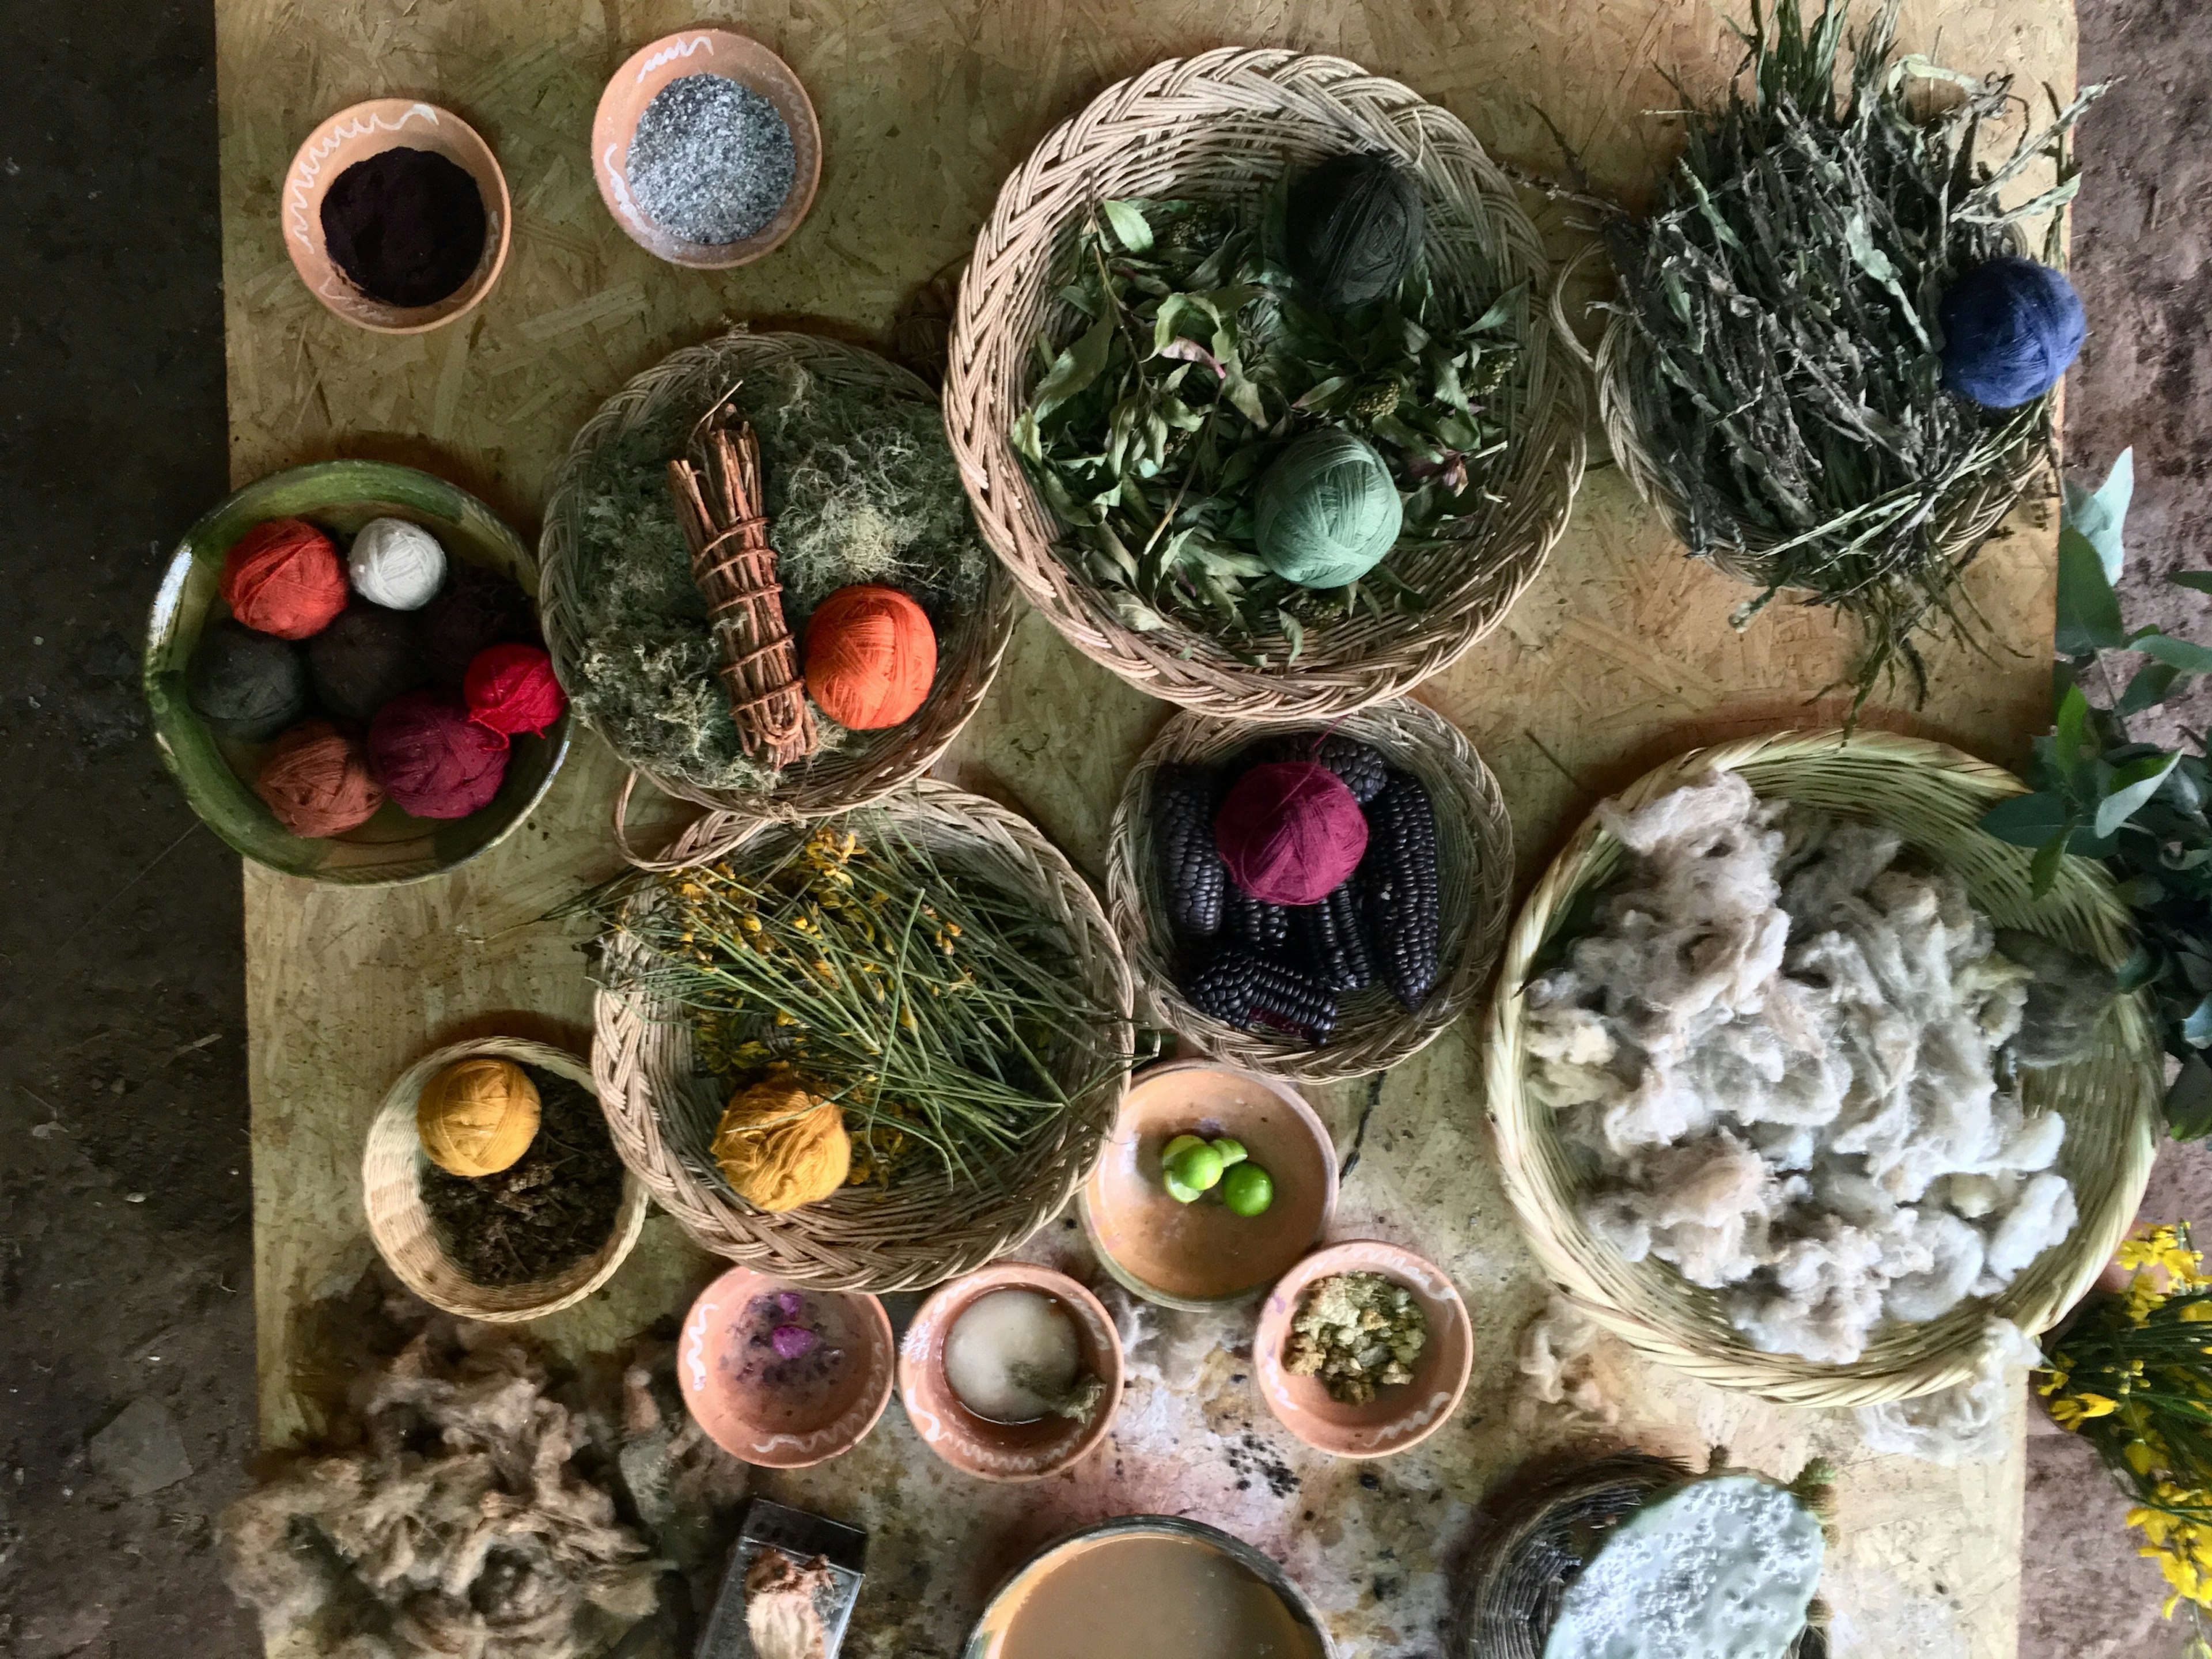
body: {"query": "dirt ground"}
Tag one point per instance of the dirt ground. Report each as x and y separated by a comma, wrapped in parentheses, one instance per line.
(125, 1232)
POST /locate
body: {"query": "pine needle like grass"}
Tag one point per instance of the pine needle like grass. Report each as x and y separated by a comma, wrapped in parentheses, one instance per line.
(1782, 296)
(942, 1013)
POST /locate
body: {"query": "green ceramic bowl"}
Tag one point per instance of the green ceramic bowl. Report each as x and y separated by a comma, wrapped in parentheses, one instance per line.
(341, 496)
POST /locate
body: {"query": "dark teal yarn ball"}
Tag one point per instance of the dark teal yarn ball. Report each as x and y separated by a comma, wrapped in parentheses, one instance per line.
(1351, 228)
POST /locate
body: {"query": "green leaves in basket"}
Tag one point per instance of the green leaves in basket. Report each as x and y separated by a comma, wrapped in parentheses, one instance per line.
(1781, 298)
(1187, 363)
(2100, 793)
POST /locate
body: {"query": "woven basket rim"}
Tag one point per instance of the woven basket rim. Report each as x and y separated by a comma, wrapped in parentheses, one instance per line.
(830, 1251)
(838, 782)
(391, 1164)
(1472, 825)
(1138, 126)
(2111, 1100)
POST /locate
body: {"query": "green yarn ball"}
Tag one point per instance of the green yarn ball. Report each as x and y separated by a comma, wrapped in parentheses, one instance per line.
(1328, 510)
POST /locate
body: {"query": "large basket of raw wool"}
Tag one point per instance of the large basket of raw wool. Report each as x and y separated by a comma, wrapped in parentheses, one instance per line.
(1252, 390)
(868, 1055)
(1799, 1086)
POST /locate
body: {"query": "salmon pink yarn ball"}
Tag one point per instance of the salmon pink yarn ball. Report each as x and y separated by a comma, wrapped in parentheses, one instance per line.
(870, 656)
(316, 780)
(284, 577)
(432, 759)
(511, 689)
(1290, 832)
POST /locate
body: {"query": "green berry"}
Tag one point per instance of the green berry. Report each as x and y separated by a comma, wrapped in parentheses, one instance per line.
(1232, 1152)
(1177, 1191)
(1247, 1189)
(1197, 1167)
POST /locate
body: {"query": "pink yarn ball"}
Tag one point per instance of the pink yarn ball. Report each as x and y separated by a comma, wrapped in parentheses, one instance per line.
(1290, 832)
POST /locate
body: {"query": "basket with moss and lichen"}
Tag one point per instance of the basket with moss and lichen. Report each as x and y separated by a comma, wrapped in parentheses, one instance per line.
(1829, 365)
(859, 492)
(1251, 386)
(867, 1055)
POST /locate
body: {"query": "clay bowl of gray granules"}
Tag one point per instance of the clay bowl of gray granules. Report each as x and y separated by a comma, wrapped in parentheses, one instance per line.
(706, 149)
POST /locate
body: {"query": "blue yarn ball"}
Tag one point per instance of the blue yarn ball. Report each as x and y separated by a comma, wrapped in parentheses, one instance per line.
(2010, 329)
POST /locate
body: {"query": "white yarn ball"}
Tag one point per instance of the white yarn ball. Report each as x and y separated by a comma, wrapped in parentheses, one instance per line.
(396, 564)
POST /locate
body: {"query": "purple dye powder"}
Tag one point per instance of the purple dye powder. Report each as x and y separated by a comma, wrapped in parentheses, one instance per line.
(794, 1341)
(787, 1344)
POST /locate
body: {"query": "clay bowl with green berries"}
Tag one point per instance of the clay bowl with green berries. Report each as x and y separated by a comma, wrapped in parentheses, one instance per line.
(1214, 1182)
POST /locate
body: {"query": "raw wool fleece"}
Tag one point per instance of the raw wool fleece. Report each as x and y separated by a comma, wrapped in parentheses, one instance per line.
(1784, 1054)
(860, 486)
(459, 1528)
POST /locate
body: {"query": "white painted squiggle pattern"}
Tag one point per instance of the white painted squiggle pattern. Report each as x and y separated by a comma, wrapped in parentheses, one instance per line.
(695, 1345)
(619, 184)
(674, 49)
(308, 168)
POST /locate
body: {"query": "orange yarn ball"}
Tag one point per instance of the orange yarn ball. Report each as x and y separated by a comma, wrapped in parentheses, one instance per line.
(284, 577)
(870, 656)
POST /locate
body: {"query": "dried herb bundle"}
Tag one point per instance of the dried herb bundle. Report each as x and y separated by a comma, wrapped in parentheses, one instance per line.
(718, 501)
(1197, 364)
(1782, 296)
(939, 1011)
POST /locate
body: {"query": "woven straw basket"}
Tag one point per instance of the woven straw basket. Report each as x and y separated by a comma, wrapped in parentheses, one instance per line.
(1225, 125)
(1474, 872)
(1544, 1542)
(969, 649)
(1965, 519)
(1935, 797)
(664, 1113)
(391, 1168)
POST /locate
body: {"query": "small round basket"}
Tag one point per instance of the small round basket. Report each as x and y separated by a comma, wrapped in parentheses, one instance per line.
(1935, 797)
(391, 1168)
(1474, 858)
(1548, 1536)
(1226, 124)
(1964, 519)
(969, 646)
(664, 1112)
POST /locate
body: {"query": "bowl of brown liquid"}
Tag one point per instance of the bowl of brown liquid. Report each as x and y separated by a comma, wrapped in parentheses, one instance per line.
(1149, 1586)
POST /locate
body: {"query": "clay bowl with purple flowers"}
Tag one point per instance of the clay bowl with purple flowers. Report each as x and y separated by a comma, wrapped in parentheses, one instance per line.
(780, 1376)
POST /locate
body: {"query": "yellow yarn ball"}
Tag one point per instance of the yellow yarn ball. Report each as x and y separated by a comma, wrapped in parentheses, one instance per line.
(477, 1116)
(780, 1147)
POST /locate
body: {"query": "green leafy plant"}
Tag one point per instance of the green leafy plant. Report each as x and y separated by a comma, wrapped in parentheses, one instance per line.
(1192, 363)
(2100, 793)
(1782, 295)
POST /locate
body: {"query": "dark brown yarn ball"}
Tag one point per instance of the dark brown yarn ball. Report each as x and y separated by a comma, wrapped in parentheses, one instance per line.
(478, 608)
(364, 659)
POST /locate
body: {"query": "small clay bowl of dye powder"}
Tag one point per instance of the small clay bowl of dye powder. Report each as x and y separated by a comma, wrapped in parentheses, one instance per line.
(988, 1447)
(782, 1376)
(630, 93)
(1402, 1415)
(1203, 1255)
(353, 135)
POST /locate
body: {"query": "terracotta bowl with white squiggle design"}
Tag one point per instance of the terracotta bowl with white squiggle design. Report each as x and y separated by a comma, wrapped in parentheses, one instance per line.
(1399, 1416)
(769, 1398)
(1005, 1451)
(351, 137)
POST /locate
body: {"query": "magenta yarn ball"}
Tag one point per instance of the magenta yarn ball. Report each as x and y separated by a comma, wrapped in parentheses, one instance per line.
(1290, 832)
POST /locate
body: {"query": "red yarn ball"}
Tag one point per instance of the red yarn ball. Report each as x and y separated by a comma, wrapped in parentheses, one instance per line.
(432, 759)
(1290, 832)
(511, 689)
(284, 577)
(871, 657)
(316, 780)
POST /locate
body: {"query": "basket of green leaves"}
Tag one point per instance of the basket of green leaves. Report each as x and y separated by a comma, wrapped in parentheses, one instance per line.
(1829, 366)
(1252, 390)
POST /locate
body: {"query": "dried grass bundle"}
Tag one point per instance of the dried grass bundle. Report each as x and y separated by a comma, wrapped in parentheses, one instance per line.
(1779, 365)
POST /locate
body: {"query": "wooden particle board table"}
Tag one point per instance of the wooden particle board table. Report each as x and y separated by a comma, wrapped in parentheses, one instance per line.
(1619, 655)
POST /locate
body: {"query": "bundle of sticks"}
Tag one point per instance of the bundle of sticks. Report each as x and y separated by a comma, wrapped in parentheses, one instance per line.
(719, 504)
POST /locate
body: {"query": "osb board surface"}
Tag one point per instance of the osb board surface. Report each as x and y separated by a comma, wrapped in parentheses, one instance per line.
(1618, 656)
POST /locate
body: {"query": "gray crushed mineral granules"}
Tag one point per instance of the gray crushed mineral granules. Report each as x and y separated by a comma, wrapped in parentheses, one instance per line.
(712, 160)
